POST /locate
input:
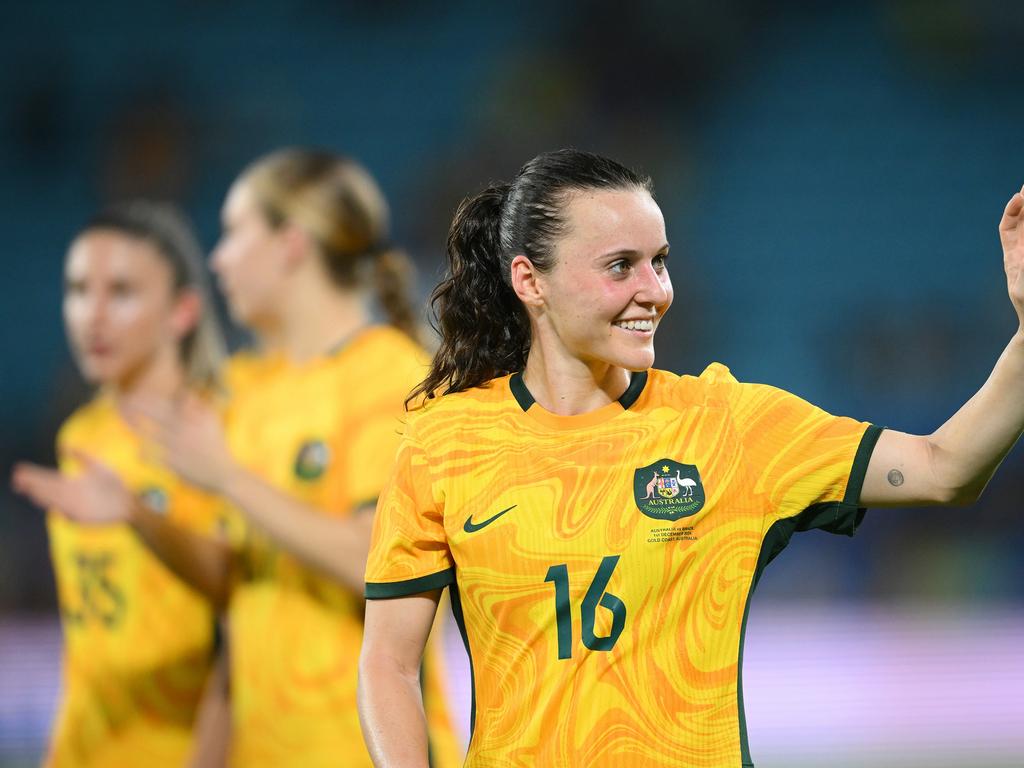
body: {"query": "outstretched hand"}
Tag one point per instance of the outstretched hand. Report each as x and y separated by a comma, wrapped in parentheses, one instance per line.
(95, 496)
(188, 437)
(1011, 234)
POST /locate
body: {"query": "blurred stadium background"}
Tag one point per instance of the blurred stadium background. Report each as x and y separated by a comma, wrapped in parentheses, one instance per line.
(831, 174)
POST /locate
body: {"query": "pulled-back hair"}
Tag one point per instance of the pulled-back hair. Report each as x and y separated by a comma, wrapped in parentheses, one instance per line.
(166, 228)
(337, 202)
(484, 328)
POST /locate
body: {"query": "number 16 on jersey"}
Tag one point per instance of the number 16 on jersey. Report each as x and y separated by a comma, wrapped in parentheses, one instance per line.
(596, 596)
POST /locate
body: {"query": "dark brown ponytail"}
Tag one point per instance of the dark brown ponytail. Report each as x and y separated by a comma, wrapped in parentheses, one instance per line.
(484, 329)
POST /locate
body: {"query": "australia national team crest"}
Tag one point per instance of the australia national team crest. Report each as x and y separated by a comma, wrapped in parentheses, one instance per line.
(668, 490)
(155, 498)
(312, 459)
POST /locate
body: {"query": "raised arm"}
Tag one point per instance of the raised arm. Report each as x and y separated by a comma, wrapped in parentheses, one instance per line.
(192, 444)
(390, 698)
(97, 496)
(336, 546)
(954, 464)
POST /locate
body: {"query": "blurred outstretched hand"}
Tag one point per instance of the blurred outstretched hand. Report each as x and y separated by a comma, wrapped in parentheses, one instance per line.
(95, 496)
(188, 438)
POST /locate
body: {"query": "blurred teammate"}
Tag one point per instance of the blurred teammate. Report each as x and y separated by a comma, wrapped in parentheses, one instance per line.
(312, 428)
(137, 640)
(603, 524)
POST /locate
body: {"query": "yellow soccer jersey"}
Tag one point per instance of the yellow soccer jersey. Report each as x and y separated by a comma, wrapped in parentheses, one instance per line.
(137, 640)
(325, 432)
(601, 565)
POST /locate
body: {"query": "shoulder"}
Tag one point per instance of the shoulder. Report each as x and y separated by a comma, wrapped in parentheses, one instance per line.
(451, 415)
(712, 387)
(715, 387)
(382, 357)
(384, 343)
(87, 420)
(243, 368)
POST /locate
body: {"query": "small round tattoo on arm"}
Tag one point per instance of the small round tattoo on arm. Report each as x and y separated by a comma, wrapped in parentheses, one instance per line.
(895, 477)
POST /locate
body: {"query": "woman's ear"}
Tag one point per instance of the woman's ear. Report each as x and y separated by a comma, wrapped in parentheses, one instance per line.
(527, 282)
(188, 308)
(296, 243)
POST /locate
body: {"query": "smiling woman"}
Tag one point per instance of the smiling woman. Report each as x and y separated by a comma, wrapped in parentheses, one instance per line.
(487, 324)
(602, 524)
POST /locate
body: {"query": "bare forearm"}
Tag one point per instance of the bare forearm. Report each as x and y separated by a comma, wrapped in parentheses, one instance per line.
(213, 721)
(968, 448)
(337, 546)
(199, 561)
(391, 714)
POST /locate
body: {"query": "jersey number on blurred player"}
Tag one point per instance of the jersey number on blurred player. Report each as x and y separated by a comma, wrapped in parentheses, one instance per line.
(99, 598)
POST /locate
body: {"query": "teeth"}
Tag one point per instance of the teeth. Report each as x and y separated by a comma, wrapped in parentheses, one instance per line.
(636, 325)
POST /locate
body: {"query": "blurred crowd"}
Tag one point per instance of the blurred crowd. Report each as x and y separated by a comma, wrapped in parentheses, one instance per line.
(831, 180)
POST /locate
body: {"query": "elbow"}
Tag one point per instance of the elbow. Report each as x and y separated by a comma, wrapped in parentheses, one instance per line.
(959, 496)
(371, 667)
(212, 591)
(214, 580)
(219, 599)
(376, 664)
(379, 668)
(952, 482)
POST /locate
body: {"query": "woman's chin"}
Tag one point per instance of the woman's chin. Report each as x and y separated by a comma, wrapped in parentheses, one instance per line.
(635, 360)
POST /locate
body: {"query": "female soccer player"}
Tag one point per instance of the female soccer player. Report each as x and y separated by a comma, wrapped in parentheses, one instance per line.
(603, 524)
(311, 429)
(138, 641)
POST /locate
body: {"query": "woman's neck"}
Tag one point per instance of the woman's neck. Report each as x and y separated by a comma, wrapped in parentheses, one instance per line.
(568, 387)
(162, 377)
(316, 317)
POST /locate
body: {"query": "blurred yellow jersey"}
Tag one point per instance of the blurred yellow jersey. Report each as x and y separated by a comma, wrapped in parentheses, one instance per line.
(137, 640)
(602, 564)
(325, 432)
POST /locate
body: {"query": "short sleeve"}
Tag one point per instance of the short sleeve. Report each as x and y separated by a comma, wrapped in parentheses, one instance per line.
(375, 418)
(370, 445)
(806, 462)
(409, 549)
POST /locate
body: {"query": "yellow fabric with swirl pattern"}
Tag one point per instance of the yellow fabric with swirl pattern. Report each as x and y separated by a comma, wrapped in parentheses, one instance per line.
(602, 564)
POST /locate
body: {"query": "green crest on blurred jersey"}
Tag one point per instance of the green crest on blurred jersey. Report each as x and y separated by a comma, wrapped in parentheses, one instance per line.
(312, 460)
(154, 498)
(668, 490)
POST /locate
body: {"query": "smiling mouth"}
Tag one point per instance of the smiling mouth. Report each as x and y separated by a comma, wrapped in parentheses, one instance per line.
(97, 350)
(635, 325)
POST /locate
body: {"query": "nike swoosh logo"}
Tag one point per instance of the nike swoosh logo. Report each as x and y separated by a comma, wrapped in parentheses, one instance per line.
(471, 527)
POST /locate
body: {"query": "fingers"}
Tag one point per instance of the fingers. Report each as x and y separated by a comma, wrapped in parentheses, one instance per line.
(42, 486)
(83, 458)
(89, 463)
(1014, 209)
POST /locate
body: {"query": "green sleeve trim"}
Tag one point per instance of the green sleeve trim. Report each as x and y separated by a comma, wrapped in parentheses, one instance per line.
(387, 590)
(860, 464)
(842, 517)
(460, 620)
(835, 517)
